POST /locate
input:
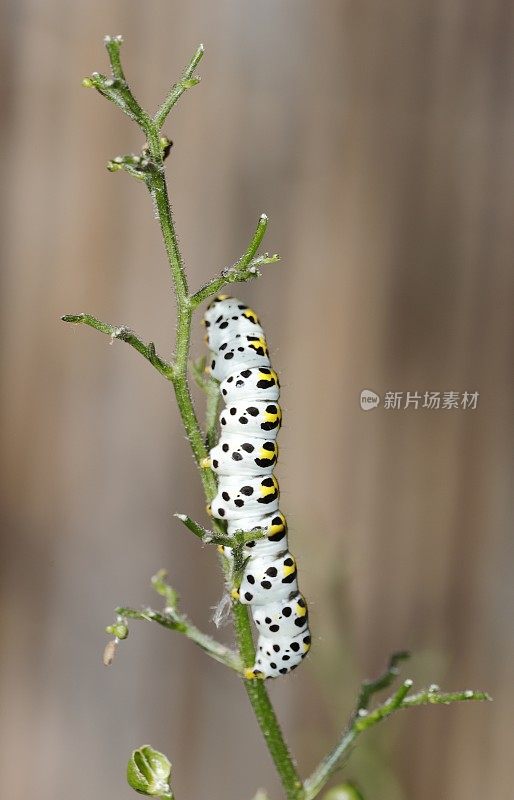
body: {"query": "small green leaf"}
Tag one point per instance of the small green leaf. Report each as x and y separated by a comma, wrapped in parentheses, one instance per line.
(347, 791)
(188, 83)
(148, 772)
(138, 166)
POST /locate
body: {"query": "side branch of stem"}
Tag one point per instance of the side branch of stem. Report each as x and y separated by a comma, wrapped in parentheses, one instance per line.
(176, 621)
(363, 720)
(245, 269)
(124, 334)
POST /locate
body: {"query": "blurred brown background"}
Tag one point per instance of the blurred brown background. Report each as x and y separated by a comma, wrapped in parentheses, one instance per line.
(378, 138)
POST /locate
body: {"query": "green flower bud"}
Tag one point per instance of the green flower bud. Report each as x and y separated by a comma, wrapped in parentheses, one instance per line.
(347, 791)
(119, 629)
(148, 772)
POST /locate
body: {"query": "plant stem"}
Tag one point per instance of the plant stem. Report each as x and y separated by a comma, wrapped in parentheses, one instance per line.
(125, 335)
(256, 690)
(244, 269)
(175, 621)
(118, 91)
(263, 708)
(360, 722)
(179, 88)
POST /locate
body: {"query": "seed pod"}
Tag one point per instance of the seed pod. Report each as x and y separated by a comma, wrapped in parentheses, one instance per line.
(148, 772)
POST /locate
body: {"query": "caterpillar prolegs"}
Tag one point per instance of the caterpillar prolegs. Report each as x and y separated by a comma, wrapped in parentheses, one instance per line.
(248, 493)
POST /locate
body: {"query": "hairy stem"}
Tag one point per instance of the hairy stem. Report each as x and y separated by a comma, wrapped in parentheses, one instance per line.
(263, 708)
(245, 269)
(176, 621)
(125, 335)
(361, 720)
(256, 690)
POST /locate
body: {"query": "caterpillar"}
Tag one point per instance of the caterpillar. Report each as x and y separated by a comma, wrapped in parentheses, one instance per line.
(248, 493)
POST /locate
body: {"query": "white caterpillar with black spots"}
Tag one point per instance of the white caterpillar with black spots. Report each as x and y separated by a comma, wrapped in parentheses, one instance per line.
(248, 493)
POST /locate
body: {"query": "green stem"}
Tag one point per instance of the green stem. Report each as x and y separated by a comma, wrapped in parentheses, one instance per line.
(175, 621)
(256, 690)
(362, 721)
(245, 269)
(263, 708)
(125, 335)
(369, 688)
(176, 91)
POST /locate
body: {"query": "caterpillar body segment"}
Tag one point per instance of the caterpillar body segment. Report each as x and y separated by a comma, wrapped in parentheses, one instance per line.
(267, 580)
(280, 655)
(244, 455)
(239, 495)
(270, 546)
(286, 619)
(256, 383)
(242, 323)
(257, 418)
(248, 493)
(244, 349)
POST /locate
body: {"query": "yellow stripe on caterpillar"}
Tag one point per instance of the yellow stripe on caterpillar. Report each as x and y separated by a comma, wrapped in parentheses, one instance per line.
(277, 527)
(251, 315)
(274, 417)
(300, 610)
(288, 569)
(269, 486)
(270, 376)
(269, 454)
(259, 344)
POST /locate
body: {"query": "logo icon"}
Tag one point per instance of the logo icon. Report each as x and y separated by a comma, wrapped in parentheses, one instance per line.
(369, 399)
